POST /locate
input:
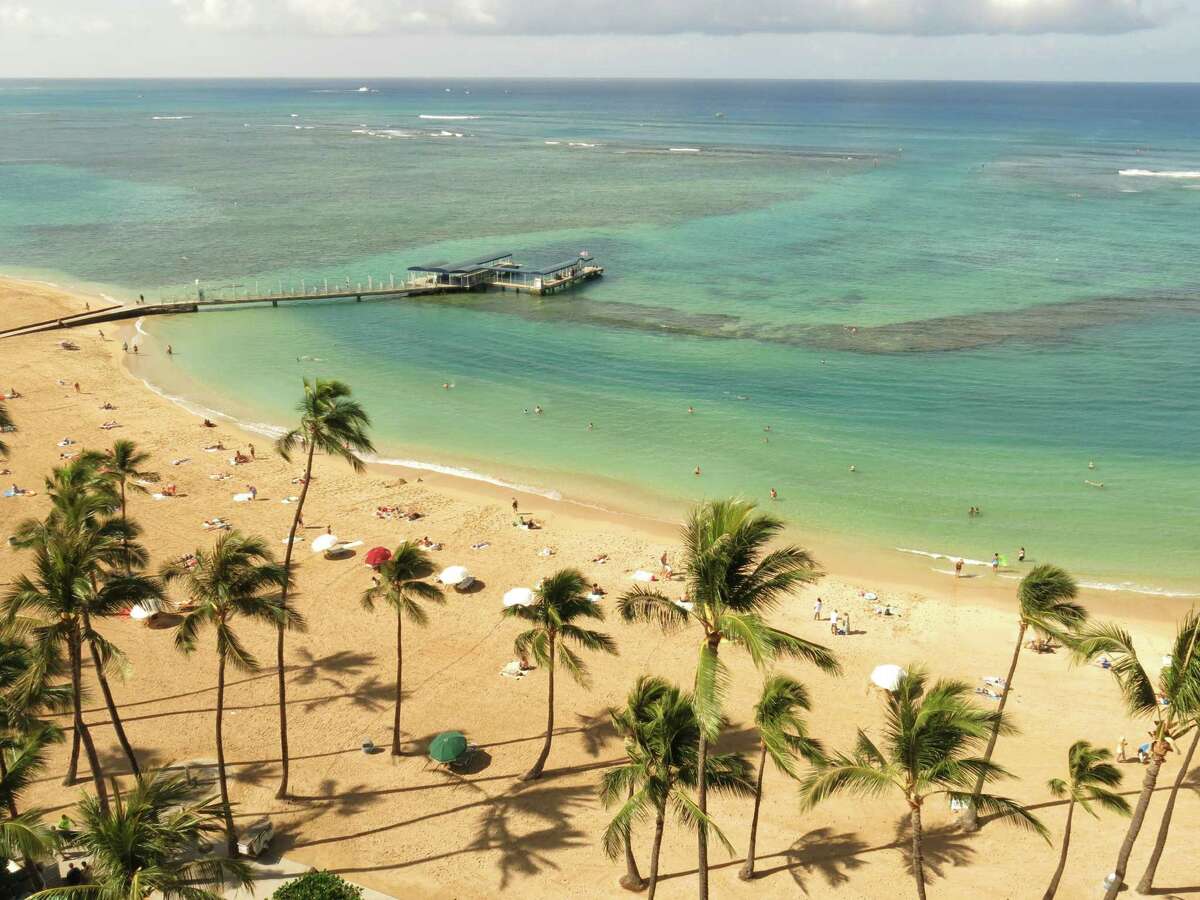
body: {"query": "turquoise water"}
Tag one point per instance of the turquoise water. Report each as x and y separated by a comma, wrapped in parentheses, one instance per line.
(949, 287)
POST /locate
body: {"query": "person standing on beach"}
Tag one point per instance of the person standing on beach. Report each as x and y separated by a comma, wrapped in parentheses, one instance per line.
(515, 505)
(958, 567)
(817, 610)
(252, 456)
(995, 563)
(1021, 555)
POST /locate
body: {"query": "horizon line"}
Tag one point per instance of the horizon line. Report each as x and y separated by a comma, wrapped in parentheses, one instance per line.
(659, 78)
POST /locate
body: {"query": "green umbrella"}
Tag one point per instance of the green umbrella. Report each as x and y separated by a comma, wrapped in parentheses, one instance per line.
(447, 746)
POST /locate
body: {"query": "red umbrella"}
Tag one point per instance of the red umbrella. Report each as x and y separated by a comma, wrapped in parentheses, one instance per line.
(377, 556)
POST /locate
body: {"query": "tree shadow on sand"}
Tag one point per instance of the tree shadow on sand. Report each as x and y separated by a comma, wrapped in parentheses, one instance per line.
(945, 845)
(821, 852)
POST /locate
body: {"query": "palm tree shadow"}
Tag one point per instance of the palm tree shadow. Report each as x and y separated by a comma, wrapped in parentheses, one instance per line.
(596, 730)
(945, 845)
(824, 853)
(312, 669)
(529, 852)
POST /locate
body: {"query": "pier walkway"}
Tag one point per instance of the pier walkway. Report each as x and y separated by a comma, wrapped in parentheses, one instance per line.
(496, 271)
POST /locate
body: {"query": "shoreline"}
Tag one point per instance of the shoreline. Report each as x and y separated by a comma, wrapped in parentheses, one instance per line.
(362, 816)
(898, 565)
(893, 566)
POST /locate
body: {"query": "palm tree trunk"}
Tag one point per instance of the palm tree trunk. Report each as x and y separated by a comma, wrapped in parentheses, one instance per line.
(230, 834)
(702, 798)
(1062, 856)
(536, 771)
(10, 801)
(1146, 885)
(918, 858)
(81, 729)
(287, 572)
(971, 816)
(747, 871)
(110, 703)
(632, 879)
(399, 681)
(1135, 822)
(73, 765)
(659, 820)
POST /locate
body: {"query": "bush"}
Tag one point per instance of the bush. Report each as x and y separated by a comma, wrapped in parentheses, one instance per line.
(318, 886)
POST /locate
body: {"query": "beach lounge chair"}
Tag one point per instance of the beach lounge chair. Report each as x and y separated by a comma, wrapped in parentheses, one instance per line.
(256, 838)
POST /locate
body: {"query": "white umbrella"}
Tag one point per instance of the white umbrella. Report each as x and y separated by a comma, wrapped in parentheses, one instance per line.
(518, 596)
(887, 676)
(138, 613)
(455, 575)
(323, 542)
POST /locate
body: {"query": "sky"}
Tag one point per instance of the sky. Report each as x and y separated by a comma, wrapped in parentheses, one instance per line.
(1041, 40)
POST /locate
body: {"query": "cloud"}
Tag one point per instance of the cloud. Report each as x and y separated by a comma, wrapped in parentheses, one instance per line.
(23, 20)
(582, 17)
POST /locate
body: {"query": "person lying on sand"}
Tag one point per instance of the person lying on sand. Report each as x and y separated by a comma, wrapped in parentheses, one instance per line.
(108, 426)
(219, 445)
(601, 559)
(107, 405)
(207, 423)
(180, 461)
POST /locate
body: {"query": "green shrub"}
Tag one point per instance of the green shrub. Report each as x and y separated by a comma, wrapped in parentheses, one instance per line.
(318, 886)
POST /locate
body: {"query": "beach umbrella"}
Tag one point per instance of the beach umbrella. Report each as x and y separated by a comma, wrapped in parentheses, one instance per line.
(323, 542)
(455, 575)
(377, 556)
(887, 676)
(138, 613)
(447, 746)
(518, 596)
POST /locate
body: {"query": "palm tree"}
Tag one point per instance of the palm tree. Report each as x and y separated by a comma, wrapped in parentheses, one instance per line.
(1046, 603)
(629, 722)
(1178, 686)
(733, 582)
(56, 595)
(335, 424)
(558, 603)
(401, 587)
(237, 578)
(122, 465)
(662, 770)
(928, 741)
(145, 846)
(1146, 884)
(5, 423)
(23, 836)
(1090, 776)
(83, 497)
(783, 736)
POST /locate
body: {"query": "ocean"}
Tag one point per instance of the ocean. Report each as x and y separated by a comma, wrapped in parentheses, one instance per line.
(889, 302)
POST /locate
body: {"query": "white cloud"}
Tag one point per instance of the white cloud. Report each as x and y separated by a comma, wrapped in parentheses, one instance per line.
(23, 20)
(913, 17)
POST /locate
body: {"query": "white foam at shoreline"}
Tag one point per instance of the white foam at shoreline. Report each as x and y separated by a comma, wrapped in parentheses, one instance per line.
(275, 431)
(448, 118)
(1150, 173)
(1127, 586)
(169, 118)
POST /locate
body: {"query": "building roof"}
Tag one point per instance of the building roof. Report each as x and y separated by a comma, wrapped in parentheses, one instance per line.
(551, 270)
(471, 265)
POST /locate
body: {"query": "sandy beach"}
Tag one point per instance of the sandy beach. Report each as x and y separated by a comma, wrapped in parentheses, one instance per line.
(403, 828)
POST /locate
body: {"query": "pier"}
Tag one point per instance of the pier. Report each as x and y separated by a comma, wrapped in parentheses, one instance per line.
(498, 271)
